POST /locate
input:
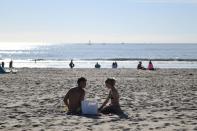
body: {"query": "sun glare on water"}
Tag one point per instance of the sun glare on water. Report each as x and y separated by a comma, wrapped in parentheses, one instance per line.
(19, 45)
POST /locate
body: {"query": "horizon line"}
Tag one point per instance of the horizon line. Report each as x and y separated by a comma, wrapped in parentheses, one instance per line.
(101, 42)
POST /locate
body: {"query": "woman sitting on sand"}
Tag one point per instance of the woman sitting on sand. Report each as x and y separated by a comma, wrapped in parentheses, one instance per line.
(114, 106)
(150, 66)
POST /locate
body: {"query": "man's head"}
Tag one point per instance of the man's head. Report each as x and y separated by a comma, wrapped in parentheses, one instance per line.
(81, 82)
(110, 82)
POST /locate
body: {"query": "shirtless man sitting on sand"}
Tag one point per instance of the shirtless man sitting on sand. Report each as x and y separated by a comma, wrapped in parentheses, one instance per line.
(74, 97)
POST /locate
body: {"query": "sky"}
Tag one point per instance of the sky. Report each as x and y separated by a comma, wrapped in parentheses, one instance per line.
(101, 21)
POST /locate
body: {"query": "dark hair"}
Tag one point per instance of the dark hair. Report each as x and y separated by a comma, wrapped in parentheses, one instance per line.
(111, 81)
(81, 79)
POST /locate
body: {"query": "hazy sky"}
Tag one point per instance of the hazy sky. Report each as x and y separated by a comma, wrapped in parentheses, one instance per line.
(71, 21)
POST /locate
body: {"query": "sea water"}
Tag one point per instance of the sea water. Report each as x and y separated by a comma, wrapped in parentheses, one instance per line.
(86, 55)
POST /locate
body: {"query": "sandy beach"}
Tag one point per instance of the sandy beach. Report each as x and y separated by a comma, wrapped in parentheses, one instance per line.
(166, 99)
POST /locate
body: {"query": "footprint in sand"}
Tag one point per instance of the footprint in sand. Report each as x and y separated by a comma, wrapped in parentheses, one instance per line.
(180, 129)
(157, 128)
(17, 126)
(182, 122)
(144, 125)
(175, 124)
(167, 124)
(36, 125)
(154, 119)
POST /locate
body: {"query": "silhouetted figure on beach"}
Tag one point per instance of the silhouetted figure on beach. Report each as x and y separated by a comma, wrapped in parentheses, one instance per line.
(140, 66)
(2, 64)
(11, 64)
(97, 65)
(115, 65)
(71, 64)
(75, 96)
(150, 65)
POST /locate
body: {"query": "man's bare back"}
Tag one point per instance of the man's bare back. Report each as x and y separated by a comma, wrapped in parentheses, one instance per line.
(74, 97)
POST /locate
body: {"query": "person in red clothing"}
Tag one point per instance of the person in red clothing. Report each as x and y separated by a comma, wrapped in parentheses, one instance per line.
(150, 66)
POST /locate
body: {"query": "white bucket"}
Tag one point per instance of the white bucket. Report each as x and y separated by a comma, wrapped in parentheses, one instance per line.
(89, 107)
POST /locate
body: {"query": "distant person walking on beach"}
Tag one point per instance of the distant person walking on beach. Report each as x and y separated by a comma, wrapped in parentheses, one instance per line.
(71, 64)
(115, 65)
(2, 64)
(11, 64)
(114, 106)
(150, 66)
(74, 97)
(140, 66)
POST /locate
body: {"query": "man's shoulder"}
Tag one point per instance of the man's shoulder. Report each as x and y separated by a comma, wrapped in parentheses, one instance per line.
(73, 89)
(76, 89)
(114, 91)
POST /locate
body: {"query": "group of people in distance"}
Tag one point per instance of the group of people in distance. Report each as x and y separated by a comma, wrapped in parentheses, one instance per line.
(3, 68)
(76, 95)
(141, 67)
(115, 65)
(97, 65)
(10, 64)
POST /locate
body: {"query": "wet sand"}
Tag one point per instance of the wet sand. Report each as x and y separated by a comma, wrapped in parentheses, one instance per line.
(166, 99)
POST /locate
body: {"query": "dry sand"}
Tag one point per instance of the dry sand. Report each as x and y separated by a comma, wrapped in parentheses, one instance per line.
(165, 99)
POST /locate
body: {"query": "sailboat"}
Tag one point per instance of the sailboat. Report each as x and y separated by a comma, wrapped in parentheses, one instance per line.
(89, 42)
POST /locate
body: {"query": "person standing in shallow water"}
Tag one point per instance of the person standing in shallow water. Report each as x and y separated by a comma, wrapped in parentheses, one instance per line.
(114, 106)
(74, 97)
(71, 64)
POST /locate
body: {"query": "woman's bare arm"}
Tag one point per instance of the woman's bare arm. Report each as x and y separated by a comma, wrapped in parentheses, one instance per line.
(105, 102)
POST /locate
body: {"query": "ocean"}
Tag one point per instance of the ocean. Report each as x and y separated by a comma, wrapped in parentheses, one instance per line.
(86, 55)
